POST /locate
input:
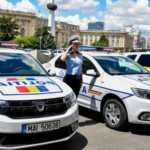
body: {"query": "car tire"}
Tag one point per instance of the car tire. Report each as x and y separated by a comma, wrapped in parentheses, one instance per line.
(115, 115)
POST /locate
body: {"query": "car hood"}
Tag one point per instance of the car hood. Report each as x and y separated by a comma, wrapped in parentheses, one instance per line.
(143, 78)
(31, 87)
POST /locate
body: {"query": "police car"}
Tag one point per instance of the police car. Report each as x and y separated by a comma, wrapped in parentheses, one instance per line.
(143, 58)
(114, 85)
(35, 109)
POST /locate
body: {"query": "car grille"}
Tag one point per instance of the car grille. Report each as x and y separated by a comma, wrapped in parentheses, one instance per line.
(38, 108)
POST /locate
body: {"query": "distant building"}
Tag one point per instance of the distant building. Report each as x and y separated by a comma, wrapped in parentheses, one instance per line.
(96, 26)
(142, 43)
(28, 22)
(147, 43)
(64, 31)
(135, 34)
(117, 39)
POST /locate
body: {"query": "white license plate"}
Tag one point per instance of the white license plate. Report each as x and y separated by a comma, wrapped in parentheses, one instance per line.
(40, 127)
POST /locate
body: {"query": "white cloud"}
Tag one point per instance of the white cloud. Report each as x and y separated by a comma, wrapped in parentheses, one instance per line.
(78, 4)
(26, 6)
(43, 2)
(73, 4)
(86, 6)
(22, 5)
(127, 12)
(77, 20)
(4, 4)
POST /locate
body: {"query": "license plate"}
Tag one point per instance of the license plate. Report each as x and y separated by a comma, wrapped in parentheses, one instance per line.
(40, 127)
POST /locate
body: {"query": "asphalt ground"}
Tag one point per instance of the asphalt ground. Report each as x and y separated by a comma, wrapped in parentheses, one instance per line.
(94, 135)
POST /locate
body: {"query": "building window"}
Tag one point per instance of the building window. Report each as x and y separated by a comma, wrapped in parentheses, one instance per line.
(22, 31)
(118, 42)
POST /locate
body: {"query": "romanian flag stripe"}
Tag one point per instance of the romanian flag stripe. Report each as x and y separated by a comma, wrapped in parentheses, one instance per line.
(20, 79)
(11, 79)
(31, 89)
(22, 89)
(42, 88)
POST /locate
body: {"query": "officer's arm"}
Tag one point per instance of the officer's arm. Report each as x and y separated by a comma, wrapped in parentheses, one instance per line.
(64, 55)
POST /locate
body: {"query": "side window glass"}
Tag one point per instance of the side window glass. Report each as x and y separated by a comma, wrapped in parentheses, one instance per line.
(132, 57)
(60, 64)
(87, 64)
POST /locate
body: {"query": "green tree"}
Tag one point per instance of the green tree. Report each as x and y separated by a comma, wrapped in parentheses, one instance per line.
(102, 42)
(46, 40)
(8, 28)
(65, 45)
(27, 42)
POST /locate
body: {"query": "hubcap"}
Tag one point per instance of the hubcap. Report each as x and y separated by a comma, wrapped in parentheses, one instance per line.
(112, 114)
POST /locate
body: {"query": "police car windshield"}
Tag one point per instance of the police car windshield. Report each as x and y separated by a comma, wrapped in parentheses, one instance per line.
(117, 65)
(14, 64)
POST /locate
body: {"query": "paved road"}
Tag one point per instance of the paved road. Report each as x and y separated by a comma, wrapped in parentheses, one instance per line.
(94, 135)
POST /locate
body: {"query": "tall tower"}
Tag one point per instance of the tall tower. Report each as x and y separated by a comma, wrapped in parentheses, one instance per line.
(52, 7)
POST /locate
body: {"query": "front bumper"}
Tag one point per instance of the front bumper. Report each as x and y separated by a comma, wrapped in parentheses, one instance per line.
(135, 108)
(12, 129)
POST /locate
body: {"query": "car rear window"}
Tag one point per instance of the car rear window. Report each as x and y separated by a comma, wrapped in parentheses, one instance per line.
(144, 60)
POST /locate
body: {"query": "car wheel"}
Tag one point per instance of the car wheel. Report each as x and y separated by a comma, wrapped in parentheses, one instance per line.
(114, 114)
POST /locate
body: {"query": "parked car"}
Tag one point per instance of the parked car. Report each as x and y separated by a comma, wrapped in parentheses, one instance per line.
(142, 58)
(44, 56)
(114, 85)
(35, 108)
(58, 51)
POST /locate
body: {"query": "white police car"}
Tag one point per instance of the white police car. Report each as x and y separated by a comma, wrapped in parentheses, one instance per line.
(143, 58)
(114, 85)
(35, 109)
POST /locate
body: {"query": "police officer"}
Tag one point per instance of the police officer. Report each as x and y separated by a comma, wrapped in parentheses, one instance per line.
(74, 60)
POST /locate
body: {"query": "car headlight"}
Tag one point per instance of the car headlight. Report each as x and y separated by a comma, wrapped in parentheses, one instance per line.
(4, 107)
(143, 93)
(70, 100)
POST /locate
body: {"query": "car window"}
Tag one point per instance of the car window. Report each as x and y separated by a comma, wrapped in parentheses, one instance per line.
(60, 64)
(117, 65)
(87, 64)
(13, 64)
(132, 56)
(144, 60)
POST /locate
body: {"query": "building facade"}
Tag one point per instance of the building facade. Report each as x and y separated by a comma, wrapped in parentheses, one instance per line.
(147, 43)
(117, 39)
(136, 35)
(64, 31)
(96, 26)
(28, 22)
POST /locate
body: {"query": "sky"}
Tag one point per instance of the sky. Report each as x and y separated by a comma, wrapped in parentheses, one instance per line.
(115, 13)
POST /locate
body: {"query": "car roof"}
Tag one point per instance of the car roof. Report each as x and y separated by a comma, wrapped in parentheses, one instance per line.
(136, 53)
(96, 53)
(9, 50)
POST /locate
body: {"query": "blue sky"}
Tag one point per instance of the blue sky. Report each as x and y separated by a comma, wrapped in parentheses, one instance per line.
(115, 13)
(102, 6)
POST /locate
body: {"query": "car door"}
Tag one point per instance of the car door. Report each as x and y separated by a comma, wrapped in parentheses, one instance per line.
(60, 68)
(87, 96)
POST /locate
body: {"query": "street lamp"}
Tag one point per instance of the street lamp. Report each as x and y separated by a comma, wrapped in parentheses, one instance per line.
(41, 27)
(52, 7)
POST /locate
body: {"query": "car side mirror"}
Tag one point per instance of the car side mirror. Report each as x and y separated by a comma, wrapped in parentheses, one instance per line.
(51, 72)
(92, 72)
